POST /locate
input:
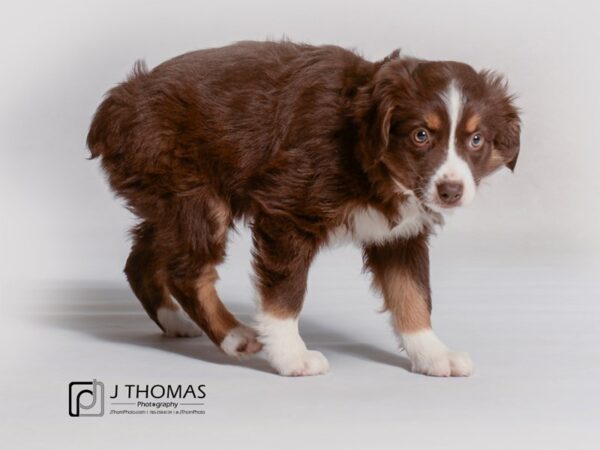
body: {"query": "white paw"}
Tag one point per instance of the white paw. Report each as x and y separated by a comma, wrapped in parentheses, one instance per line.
(241, 341)
(430, 356)
(176, 323)
(445, 364)
(309, 362)
(285, 349)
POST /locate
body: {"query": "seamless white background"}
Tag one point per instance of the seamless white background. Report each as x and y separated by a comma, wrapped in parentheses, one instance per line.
(60, 57)
(515, 274)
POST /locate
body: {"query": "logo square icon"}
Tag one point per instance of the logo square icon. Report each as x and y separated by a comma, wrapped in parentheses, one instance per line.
(86, 398)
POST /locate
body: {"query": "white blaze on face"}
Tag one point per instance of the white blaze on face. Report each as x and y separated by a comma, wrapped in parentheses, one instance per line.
(454, 168)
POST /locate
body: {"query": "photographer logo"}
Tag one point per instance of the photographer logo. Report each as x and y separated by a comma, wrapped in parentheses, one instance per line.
(86, 398)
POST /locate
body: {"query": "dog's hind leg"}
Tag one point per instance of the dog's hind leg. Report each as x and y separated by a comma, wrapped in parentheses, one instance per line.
(148, 281)
(196, 245)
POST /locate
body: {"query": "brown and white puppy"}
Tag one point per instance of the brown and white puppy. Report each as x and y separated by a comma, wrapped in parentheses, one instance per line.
(307, 144)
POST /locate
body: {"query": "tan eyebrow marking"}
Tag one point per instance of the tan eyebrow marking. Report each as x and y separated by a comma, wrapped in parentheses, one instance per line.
(473, 123)
(433, 121)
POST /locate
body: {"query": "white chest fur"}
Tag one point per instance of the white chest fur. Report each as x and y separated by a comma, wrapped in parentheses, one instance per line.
(369, 226)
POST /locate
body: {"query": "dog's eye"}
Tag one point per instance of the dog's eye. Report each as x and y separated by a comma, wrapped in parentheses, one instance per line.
(420, 136)
(476, 141)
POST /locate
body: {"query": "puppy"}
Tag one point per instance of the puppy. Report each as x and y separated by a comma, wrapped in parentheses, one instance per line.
(306, 144)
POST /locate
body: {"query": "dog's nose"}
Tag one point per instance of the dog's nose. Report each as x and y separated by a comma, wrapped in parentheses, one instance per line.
(450, 192)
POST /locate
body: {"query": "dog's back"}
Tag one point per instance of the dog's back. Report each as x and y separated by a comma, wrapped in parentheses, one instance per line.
(216, 117)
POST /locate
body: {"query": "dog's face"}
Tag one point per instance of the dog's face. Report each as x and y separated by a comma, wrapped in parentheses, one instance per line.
(441, 128)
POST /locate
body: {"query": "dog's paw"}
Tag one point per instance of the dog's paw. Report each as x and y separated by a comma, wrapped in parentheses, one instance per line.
(285, 350)
(430, 356)
(176, 323)
(306, 363)
(241, 341)
(444, 364)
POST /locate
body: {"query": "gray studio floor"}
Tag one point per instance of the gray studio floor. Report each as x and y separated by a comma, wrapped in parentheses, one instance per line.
(532, 330)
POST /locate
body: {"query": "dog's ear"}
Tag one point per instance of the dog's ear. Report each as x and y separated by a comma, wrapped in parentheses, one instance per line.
(507, 121)
(380, 128)
(508, 140)
(376, 102)
(373, 114)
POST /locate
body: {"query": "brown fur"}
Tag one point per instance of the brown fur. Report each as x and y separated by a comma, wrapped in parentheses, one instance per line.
(401, 273)
(290, 137)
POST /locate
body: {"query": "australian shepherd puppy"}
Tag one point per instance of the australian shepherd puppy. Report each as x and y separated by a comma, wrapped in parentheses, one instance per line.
(306, 144)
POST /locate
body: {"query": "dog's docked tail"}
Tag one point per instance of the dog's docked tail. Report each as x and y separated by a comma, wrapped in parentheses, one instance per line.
(116, 115)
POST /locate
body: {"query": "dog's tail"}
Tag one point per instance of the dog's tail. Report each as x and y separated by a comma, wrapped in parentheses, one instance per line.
(116, 115)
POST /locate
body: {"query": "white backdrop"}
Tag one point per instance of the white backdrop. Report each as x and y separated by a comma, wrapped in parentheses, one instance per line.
(515, 276)
(59, 220)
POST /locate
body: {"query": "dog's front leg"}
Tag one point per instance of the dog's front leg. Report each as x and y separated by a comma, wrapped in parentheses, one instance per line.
(282, 256)
(401, 272)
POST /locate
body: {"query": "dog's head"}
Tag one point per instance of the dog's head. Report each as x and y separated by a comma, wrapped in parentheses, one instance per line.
(437, 128)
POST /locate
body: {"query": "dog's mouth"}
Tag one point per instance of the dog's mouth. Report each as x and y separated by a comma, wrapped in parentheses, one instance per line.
(440, 207)
(428, 200)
